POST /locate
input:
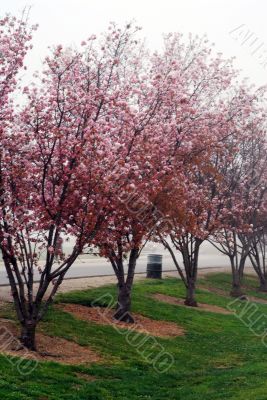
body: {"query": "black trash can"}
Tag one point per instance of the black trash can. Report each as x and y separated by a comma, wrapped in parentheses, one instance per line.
(154, 266)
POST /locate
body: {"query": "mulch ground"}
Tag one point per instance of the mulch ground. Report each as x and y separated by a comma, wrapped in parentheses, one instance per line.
(201, 306)
(104, 316)
(48, 348)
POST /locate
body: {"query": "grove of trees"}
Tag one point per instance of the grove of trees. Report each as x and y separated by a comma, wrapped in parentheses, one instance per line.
(113, 146)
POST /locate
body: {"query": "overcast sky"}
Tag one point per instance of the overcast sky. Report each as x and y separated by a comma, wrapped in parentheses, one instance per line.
(237, 27)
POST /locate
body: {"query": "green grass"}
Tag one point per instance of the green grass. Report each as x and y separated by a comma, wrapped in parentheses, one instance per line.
(218, 358)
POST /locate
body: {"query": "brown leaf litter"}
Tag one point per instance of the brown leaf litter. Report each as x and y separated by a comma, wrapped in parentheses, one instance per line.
(104, 316)
(49, 348)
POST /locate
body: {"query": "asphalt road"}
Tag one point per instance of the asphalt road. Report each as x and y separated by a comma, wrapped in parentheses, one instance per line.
(87, 266)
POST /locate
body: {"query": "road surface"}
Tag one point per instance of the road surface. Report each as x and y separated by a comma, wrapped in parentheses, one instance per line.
(89, 266)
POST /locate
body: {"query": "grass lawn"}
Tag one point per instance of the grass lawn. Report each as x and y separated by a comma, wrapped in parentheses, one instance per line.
(217, 358)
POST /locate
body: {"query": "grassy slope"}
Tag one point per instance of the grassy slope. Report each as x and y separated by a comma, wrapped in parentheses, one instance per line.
(219, 358)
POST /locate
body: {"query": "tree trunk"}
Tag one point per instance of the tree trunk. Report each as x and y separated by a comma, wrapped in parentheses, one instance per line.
(124, 286)
(258, 262)
(124, 304)
(190, 253)
(263, 284)
(236, 290)
(27, 337)
(190, 299)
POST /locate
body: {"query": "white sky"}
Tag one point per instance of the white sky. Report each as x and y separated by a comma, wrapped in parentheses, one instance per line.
(70, 21)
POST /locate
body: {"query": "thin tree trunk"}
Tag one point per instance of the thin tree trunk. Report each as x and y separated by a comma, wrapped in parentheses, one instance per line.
(124, 304)
(236, 290)
(123, 309)
(189, 247)
(28, 333)
(190, 299)
(258, 260)
(190, 254)
(263, 284)
(261, 275)
(237, 272)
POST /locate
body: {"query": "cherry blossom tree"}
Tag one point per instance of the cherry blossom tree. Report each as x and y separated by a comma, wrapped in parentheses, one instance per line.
(58, 167)
(254, 192)
(15, 36)
(152, 147)
(190, 113)
(208, 132)
(244, 175)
